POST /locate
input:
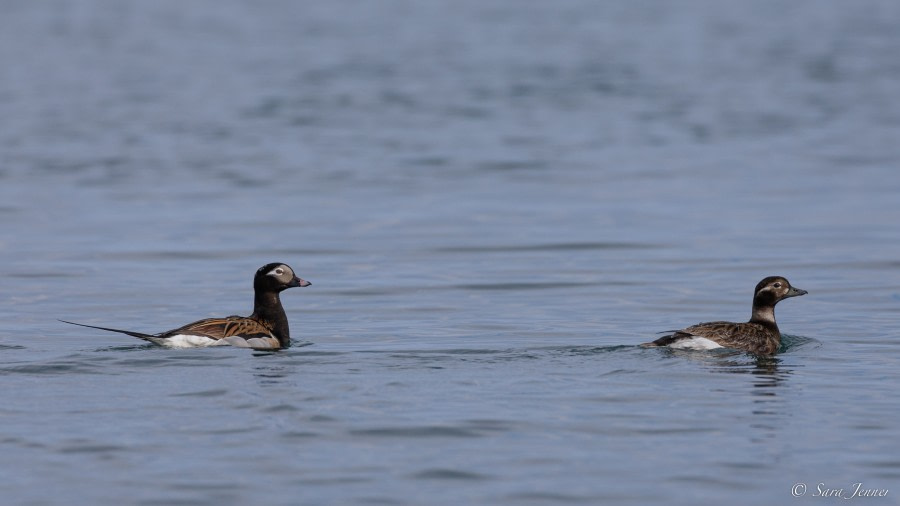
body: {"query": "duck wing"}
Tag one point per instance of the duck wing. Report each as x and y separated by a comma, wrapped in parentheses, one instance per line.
(748, 336)
(718, 332)
(235, 330)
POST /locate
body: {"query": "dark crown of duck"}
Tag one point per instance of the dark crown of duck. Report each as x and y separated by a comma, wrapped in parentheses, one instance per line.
(769, 292)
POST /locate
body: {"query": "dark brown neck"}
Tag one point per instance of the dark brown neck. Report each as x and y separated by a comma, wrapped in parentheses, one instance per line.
(268, 311)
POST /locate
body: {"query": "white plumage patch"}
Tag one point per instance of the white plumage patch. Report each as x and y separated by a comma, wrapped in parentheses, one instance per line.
(695, 343)
(190, 341)
(258, 343)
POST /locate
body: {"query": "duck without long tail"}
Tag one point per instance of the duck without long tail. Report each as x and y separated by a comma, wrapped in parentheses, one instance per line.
(760, 335)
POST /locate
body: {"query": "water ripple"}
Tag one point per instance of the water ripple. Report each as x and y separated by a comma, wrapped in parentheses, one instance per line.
(566, 246)
(204, 393)
(92, 448)
(417, 432)
(54, 368)
(449, 474)
(550, 498)
(517, 286)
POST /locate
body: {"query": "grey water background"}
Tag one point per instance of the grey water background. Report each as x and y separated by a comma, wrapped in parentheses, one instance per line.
(495, 202)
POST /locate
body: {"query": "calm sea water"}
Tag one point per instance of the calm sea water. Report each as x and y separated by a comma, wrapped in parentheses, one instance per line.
(495, 202)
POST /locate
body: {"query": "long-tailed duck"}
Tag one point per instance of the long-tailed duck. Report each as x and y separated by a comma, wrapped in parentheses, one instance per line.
(760, 335)
(265, 329)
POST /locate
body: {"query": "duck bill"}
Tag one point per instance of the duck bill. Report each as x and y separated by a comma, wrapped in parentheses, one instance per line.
(298, 282)
(794, 292)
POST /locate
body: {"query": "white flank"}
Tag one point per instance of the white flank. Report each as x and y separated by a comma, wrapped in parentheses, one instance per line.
(189, 341)
(695, 343)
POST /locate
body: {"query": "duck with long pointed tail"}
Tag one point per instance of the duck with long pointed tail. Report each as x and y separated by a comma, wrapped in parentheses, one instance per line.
(265, 329)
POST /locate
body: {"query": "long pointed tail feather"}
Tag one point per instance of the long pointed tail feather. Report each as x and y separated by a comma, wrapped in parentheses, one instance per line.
(146, 337)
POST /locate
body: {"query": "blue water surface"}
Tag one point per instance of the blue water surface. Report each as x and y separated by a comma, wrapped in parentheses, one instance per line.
(495, 203)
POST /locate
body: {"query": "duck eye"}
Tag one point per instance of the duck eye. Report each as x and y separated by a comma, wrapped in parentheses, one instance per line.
(777, 285)
(279, 271)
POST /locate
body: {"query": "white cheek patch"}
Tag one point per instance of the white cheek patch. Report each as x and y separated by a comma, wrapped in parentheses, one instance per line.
(276, 272)
(695, 343)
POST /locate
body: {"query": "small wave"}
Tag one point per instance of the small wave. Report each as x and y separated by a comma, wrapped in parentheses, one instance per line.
(52, 368)
(563, 246)
(92, 448)
(538, 285)
(551, 497)
(417, 432)
(449, 474)
(218, 392)
(791, 343)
